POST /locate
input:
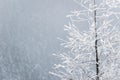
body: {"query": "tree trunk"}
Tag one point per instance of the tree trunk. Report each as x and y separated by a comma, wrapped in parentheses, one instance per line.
(96, 44)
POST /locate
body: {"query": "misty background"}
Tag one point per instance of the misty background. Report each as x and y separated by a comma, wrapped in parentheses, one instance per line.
(28, 37)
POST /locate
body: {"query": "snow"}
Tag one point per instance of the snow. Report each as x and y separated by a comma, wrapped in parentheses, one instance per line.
(79, 62)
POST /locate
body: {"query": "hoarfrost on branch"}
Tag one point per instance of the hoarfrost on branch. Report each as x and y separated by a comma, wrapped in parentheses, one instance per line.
(79, 61)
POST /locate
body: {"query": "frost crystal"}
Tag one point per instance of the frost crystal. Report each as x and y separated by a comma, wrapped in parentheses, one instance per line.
(93, 54)
(113, 3)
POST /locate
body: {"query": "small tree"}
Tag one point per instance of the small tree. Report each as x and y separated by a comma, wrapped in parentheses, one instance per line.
(93, 54)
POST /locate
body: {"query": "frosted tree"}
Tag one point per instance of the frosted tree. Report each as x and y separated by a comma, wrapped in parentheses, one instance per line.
(92, 54)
